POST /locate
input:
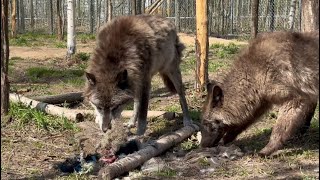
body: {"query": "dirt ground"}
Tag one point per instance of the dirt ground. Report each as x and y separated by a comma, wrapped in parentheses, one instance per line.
(30, 152)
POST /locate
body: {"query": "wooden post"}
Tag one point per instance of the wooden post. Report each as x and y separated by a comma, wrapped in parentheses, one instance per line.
(5, 86)
(202, 44)
(109, 10)
(255, 17)
(13, 18)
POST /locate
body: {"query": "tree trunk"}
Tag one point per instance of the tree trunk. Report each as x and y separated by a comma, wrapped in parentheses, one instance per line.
(22, 26)
(136, 159)
(168, 8)
(272, 16)
(177, 14)
(50, 18)
(31, 16)
(310, 15)
(59, 21)
(202, 44)
(5, 86)
(139, 6)
(255, 18)
(91, 14)
(71, 41)
(292, 14)
(143, 6)
(133, 7)
(98, 14)
(13, 18)
(109, 10)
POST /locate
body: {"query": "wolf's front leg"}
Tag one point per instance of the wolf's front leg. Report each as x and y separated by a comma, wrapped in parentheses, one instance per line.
(142, 107)
(133, 119)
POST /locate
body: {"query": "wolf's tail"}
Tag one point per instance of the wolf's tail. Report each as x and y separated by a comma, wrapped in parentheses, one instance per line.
(168, 83)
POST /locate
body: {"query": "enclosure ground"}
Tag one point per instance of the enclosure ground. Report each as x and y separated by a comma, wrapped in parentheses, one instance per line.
(32, 144)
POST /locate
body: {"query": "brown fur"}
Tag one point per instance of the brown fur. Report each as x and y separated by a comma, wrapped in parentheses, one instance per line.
(130, 50)
(280, 68)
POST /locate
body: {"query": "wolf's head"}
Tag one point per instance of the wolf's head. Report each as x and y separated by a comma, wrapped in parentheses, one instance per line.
(107, 95)
(212, 126)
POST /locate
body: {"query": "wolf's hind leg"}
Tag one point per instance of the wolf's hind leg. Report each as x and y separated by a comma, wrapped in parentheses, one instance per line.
(292, 116)
(175, 77)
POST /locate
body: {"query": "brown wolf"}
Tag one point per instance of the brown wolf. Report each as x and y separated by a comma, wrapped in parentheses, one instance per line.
(280, 68)
(129, 51)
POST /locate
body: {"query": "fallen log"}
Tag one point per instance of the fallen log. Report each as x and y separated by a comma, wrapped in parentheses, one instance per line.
(73, 115)
(61, 98)
(136, 159)
(78, 114)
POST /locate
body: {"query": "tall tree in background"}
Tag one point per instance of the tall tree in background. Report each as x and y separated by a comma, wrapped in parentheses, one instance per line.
(50, 16)
(59, 21)
(310, 15)
(255, 18)
(139, 7)
(31, 16)
(22, 26)
(202, 44)
(109, 10)
(13, 18)
(71, 40)
(91, 15)
(5, 86)
(292, 14)
(98, 7)
(133, 7)
(143, 6)
(177, 13)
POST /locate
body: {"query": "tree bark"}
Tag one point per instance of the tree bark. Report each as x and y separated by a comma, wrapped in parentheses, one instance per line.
(59, 21)
(177, 13)
(61, 98)
(13, 18)
(143, 6)
(139, 6)
(98, 14)
(22, 17)
(91, 15)
(31, 16)
(202, 44)
(255, 18)
(168, 8)
(74, 115)
(310, 15)
(50, 18)
(134, 160)
(5, 86)
(292, 14)
(271, 28)
(109, 10)
(71, 41)
(133, 7)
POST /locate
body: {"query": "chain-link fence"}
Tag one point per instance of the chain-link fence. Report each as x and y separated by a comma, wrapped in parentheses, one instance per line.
(226, 17)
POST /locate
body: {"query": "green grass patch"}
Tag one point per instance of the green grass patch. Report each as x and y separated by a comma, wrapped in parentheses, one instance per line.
(173, 108)
(224, 51)
(16, 58)
(24, 115)
(189, 144)
(82, 56)
(204, 162)
(60, 44)
(188, 65)
(40, 73)
(215, 65)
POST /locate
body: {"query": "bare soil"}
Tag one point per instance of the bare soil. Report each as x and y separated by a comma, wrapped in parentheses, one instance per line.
(33, 153)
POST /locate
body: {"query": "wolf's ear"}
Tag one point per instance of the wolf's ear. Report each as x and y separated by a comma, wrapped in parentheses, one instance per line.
(216, 95)
(91, 78)
(122, 79)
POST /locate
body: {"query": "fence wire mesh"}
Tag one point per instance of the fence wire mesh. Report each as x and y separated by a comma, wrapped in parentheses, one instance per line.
(225, 17)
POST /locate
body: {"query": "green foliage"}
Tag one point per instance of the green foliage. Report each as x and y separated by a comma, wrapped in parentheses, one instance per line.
(60, 44)
(25, 115)
(82, 56)
(224, 51)
(167, 173)
(38, 73)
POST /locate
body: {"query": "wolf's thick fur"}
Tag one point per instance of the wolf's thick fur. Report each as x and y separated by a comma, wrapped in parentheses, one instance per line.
(280, 68)
(129, 51)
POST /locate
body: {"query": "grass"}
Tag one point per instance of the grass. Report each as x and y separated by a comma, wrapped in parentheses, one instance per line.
(24, 115)
(37, 74)
(224, 51)
(167, 173)
(82, 56)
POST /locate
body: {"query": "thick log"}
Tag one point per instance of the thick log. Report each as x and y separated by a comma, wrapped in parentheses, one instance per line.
(79, 114)
(61, 98)
(134, 160)
(73, 115)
